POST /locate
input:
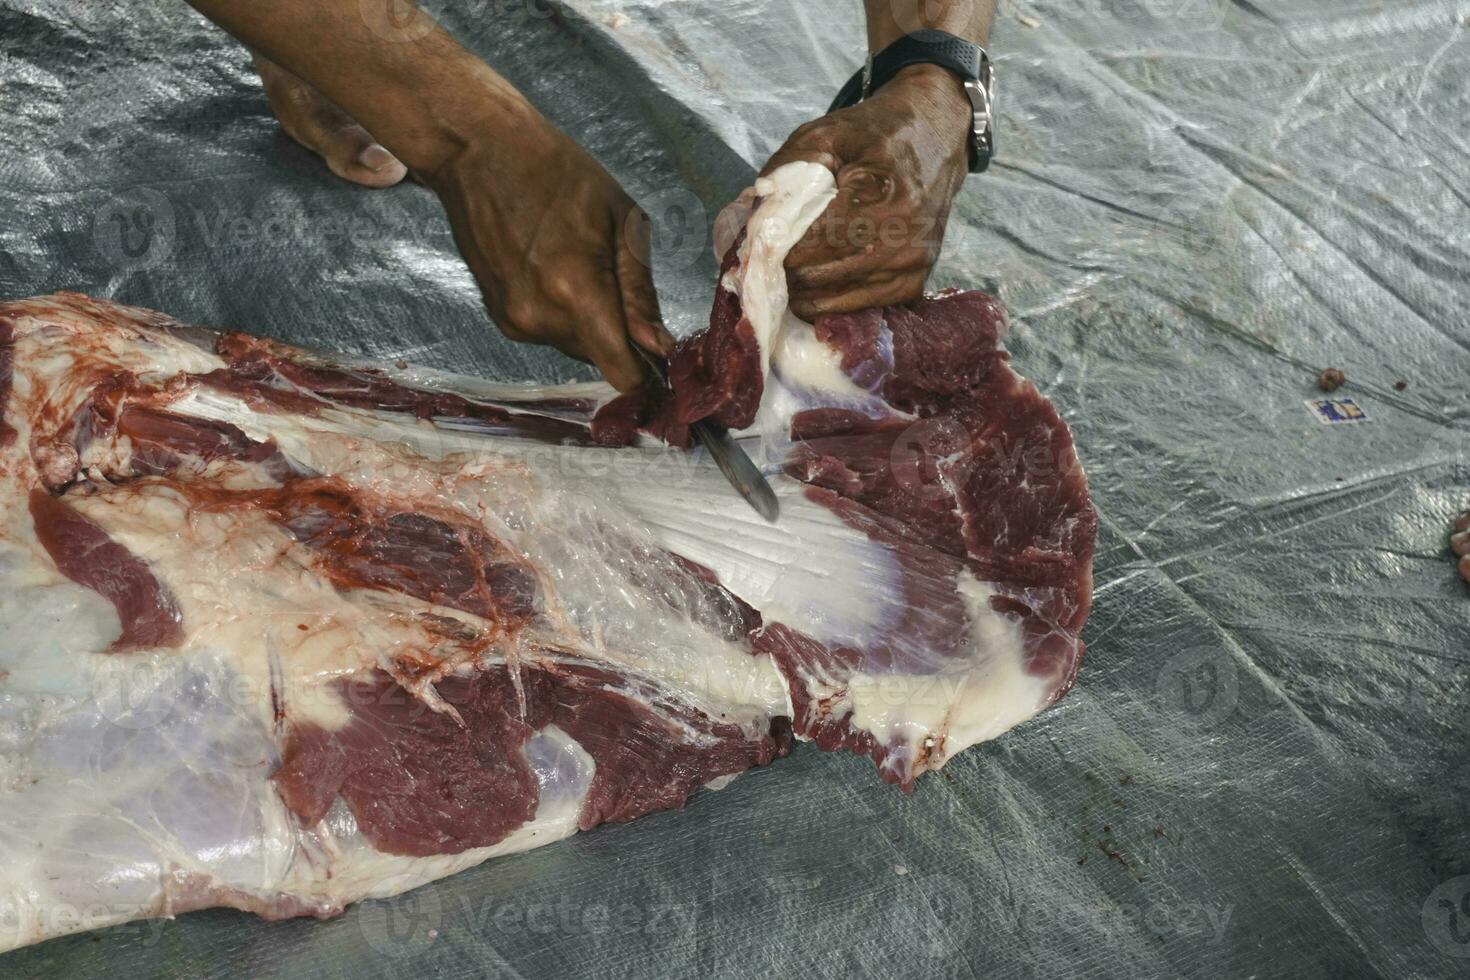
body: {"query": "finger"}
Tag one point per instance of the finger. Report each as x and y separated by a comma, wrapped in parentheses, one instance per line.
(874, 262)
(602, 335)
(616, 360)
(652, 338)
(867, 214)
(896, 291)
(836, 235)
(634, 267)
(832, 141)
(839, 276)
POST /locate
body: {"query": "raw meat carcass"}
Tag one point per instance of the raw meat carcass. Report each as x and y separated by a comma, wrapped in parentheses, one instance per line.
(283, 631)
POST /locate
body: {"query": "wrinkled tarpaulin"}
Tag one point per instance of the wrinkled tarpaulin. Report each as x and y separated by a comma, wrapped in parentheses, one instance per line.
(1196, 205)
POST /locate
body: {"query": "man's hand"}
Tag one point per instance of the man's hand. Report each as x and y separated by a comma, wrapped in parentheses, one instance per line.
(379, 90)
(899, 159)
(558, 248)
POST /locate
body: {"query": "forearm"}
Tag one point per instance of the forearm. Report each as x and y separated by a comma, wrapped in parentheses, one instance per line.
(888, 20)
(415, 89)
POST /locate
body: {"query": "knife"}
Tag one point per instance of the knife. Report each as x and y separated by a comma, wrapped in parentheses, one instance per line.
(738, 467)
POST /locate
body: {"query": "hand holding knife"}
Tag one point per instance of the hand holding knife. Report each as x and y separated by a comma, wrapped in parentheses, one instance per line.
(738, 467)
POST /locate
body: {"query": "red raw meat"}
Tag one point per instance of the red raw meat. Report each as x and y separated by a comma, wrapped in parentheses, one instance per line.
(84, 553)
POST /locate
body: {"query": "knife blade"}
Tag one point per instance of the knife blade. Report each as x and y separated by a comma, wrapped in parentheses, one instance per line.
(734, 463)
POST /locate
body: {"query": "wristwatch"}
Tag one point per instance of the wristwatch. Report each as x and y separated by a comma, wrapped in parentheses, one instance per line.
(969, 61)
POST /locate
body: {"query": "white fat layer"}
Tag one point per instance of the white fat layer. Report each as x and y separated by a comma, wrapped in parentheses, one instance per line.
(800, 370)
(249, 594)
(990, 692)
(146, 776)
(181, 802)
(792, 198)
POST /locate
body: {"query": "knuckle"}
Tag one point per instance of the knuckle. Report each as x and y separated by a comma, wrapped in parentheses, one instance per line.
(513, 333)
(564, 288)
(519, 318)
(808, 131)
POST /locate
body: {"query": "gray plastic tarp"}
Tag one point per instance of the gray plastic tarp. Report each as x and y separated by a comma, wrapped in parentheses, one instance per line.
(1197, 205)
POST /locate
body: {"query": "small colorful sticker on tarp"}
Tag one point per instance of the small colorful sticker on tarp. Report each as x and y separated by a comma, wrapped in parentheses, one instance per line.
(1336, 411)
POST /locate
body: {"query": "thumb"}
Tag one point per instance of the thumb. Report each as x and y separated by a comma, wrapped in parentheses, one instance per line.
(635, 286)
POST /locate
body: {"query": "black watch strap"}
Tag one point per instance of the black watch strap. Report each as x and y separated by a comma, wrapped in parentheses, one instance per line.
(967, 60)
